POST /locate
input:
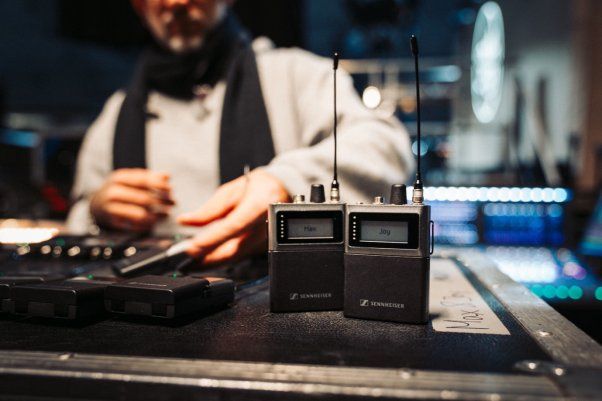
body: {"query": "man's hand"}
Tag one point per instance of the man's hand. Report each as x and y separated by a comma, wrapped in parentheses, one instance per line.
(132, 200)
(238, 211)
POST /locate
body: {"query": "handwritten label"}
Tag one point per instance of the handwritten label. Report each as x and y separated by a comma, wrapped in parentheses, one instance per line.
(456, 306)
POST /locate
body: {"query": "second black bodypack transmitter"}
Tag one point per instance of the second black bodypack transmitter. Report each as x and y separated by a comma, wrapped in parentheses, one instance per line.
(168, 297)
(306, 246)
(387, 261)
(387, 250)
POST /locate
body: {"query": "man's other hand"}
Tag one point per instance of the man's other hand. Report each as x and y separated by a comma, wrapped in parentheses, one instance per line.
(238, 211)
(132, 200)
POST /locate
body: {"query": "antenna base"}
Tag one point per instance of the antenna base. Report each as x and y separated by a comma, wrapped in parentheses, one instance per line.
(335, 195)
(418, 191)
(417, 196)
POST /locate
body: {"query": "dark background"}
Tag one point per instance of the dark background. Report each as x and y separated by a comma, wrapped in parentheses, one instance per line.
(67, 56)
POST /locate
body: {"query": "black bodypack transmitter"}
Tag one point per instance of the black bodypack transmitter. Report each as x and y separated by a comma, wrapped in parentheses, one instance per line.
(72, 299)
(7, 282)
(306, 246)
(168, 297)
(387, 251)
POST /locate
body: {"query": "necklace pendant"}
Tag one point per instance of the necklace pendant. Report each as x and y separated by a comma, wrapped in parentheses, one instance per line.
(201, 92)
(202, 112)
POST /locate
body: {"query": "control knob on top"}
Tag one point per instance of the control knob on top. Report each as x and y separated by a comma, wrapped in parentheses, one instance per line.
(398, 194)
(317, 194)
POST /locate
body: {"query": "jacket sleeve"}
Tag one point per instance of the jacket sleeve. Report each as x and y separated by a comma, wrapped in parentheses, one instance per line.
(373, 149)
(94, 164)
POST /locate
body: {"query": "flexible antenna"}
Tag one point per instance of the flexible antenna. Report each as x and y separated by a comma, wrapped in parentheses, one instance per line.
(417, 192)
(335, 195)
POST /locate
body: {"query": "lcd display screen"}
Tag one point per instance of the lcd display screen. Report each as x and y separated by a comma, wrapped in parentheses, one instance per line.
(310, 228)
(384, 231)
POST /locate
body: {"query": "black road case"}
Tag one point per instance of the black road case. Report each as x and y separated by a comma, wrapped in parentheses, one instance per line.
(489, 338)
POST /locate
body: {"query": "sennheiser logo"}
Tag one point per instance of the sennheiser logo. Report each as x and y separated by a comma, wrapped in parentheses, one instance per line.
(377, 304)
(294, 296)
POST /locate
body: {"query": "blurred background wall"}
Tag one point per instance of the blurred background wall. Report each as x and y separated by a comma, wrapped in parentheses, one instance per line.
(60, 59)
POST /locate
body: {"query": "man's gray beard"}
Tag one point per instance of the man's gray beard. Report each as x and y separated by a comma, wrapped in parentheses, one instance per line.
(181, 45)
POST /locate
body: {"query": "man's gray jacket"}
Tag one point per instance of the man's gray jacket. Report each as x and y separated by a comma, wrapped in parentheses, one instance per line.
(373, 153)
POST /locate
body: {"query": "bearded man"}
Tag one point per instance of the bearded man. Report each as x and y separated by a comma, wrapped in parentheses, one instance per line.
(167, 153)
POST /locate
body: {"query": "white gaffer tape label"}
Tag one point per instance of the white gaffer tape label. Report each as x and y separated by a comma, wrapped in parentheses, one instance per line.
(456, 306)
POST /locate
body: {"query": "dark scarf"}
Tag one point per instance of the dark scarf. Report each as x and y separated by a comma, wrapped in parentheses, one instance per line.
(245, 137)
